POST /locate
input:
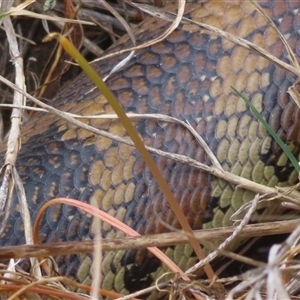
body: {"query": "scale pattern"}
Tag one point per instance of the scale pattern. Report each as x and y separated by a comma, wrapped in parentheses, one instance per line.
(187, 76)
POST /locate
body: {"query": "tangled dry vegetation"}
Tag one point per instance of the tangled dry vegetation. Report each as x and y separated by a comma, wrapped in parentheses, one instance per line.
(45, 69)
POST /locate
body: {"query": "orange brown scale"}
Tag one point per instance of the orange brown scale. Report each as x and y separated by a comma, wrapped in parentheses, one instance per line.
(187, 76)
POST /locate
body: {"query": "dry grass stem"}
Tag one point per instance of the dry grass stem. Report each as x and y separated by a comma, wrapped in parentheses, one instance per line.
(97, 260)
(159, 240)
(31, 14)
(143, 291)
(270, 277)
(226, 243)
(291, 54)
(129, 32)
(175, 22)
(13, 143)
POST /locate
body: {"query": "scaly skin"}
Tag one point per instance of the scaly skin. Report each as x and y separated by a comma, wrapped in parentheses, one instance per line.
(187, 76)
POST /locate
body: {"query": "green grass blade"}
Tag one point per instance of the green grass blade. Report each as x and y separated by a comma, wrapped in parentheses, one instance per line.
(278, 140)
